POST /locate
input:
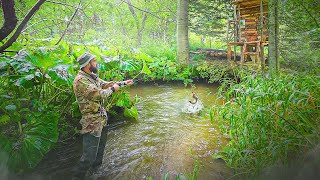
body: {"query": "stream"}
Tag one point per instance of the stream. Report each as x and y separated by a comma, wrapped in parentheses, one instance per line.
(165, 141)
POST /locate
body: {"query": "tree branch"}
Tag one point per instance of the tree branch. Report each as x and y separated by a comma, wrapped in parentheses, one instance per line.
(309, 13)
(146, 12)
(23, 14)
(123, 27)
(170, 10)
(61, 3)
(10, 18)
(21, 26)
(65, 30)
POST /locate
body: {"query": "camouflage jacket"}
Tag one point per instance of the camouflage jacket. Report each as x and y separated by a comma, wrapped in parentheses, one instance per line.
(90, 93)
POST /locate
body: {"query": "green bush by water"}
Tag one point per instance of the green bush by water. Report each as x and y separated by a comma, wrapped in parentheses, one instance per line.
(268, 120)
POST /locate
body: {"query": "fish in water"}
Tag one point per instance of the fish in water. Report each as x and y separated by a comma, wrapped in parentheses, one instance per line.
(195, 97)
(193, 106)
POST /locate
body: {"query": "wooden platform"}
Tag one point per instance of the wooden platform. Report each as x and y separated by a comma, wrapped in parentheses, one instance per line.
(257, 55)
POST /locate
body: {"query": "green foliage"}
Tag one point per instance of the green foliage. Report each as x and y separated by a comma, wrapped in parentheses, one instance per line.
(198, 57)
(131, 113)
(269, 120)
(38, 135)
(299, 33)
(4, 119)
(29, 103)
(160, 51)
(215, 72)
(112, 20)
(192, 176)
(208, 17)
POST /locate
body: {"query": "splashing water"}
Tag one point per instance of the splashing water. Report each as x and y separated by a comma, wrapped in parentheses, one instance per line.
(192, 108)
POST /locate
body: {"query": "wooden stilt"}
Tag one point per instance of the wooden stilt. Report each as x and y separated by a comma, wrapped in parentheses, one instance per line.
(262, 57)
(258, 52)
(244, 50)
(229, 52)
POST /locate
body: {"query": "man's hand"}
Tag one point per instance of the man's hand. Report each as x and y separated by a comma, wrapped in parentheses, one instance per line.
(129, 82)
(116, 87)
(107, 85)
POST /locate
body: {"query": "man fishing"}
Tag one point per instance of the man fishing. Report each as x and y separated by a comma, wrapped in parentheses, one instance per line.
(90, 92)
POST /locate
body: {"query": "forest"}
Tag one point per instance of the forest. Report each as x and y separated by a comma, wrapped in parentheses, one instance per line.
(254, 65)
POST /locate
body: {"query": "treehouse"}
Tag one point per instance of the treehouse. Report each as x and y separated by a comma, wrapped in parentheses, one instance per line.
(248, 29)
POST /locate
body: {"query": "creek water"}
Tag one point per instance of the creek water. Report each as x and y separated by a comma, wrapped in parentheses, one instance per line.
(165, 140)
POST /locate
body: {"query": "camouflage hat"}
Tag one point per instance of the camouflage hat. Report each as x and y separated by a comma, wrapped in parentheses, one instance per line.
(84, 59)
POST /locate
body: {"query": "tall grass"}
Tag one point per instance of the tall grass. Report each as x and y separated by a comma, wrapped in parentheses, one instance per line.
(269, 120)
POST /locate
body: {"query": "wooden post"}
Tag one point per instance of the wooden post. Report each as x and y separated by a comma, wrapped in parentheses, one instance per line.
(227, 31)
(235, 25)
(262, 38)
(262, 57)
(229, 52)
(244, 49)
(258, 52)
(261, 21)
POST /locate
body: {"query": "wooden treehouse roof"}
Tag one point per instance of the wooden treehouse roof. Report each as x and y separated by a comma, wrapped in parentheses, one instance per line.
(250, 7)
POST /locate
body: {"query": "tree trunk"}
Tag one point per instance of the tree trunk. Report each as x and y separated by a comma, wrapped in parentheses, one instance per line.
(165, 32)
(139, 40)
(22, 25)
(139, 29)
(122, 25)
(273, 31)
(10, 18)
(182, 32)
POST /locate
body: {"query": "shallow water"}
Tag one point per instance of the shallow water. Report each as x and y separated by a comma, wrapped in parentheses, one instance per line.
(164, 141)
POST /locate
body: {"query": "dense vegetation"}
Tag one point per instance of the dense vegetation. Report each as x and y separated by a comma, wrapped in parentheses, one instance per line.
(271, 119)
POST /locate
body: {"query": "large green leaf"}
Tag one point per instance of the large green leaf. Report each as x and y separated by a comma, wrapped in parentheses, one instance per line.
(3, 65)
(143, 57)
(40, 133)
(75, 111)
(26, 81)
(42, 58)
(22, 66)
(128, 65)
(123, 100)
(11, 107)
(131, 113)
(145, 68)
(61, 74)
(120, 102)
(3, 68)
(4, 119)
(109, 63)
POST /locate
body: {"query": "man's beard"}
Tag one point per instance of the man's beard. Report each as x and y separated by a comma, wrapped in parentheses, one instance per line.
(93, 69)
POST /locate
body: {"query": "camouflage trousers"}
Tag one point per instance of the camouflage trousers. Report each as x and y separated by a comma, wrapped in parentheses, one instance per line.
(93, 149)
